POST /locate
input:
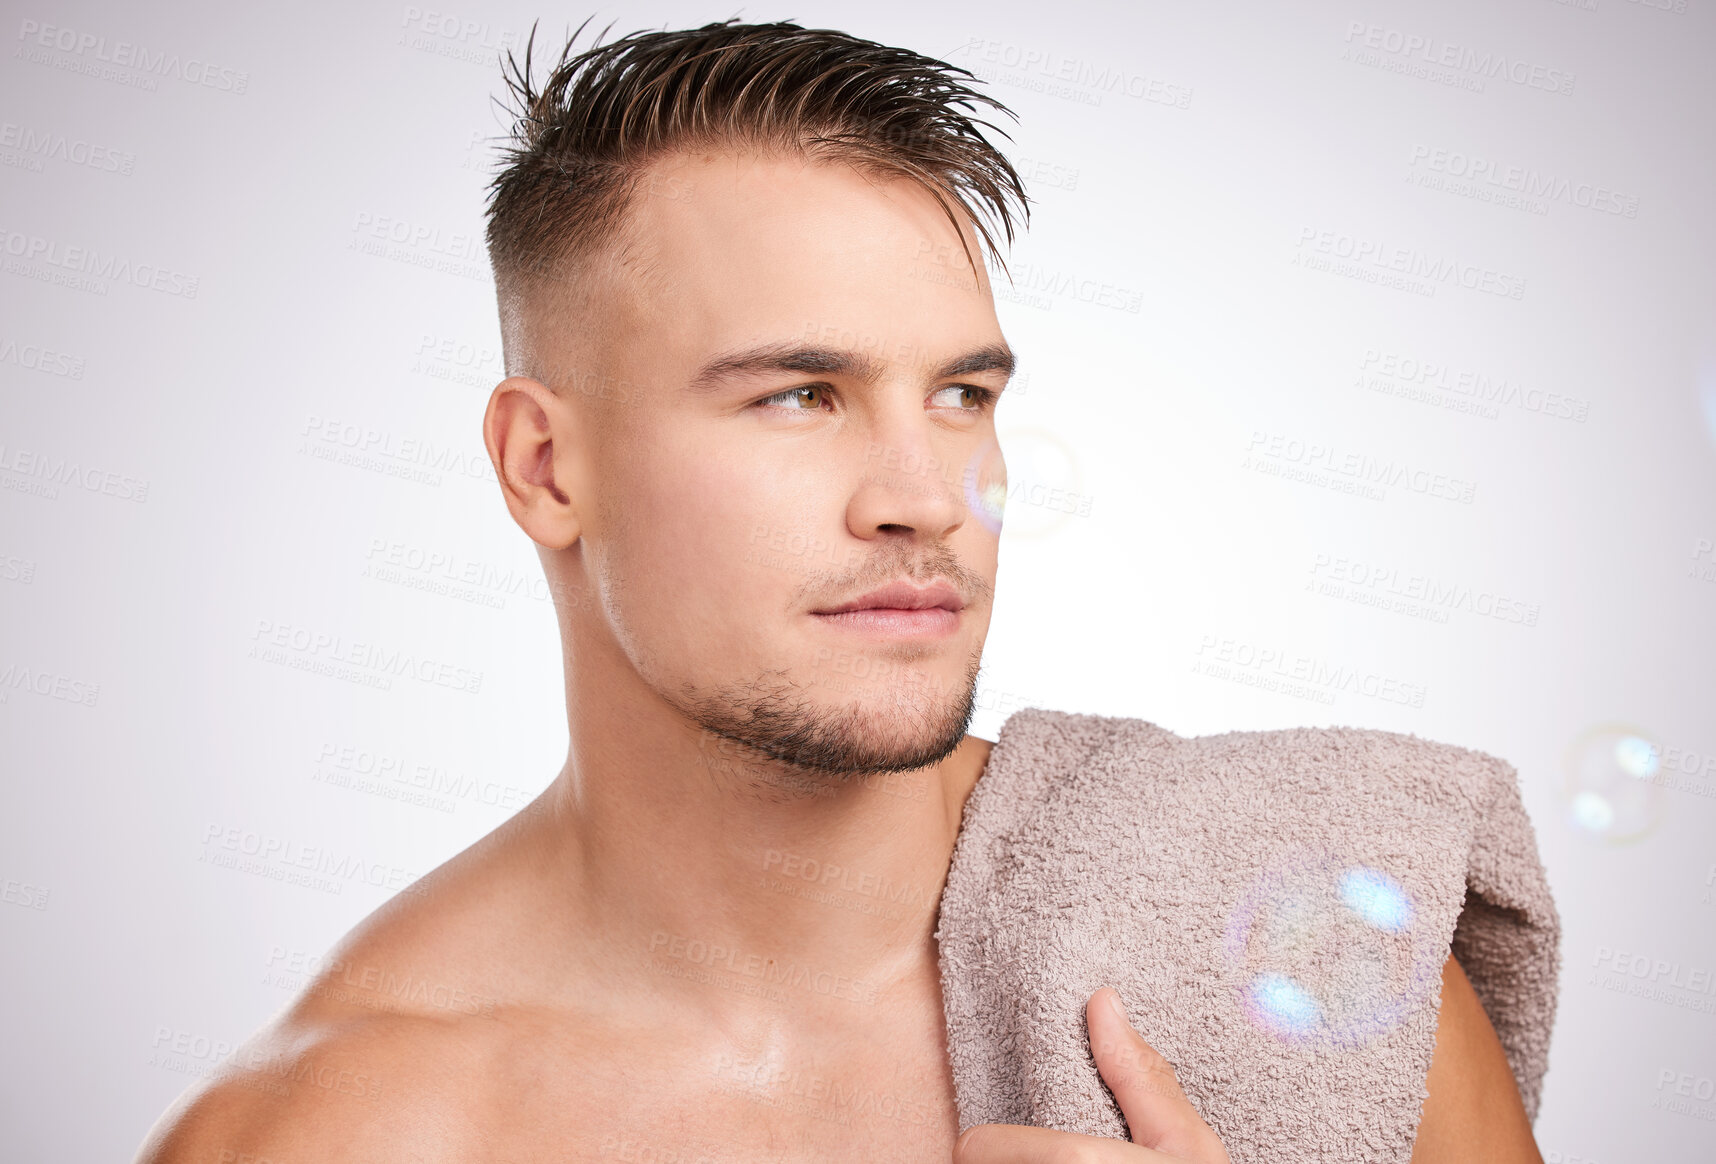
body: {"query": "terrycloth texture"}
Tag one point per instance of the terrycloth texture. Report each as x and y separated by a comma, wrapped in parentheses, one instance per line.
(1274, 908)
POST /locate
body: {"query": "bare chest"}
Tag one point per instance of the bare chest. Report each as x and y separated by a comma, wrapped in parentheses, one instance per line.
(886, 1095)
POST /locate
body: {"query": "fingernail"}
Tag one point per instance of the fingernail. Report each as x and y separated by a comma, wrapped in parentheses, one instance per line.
(1119, 1007)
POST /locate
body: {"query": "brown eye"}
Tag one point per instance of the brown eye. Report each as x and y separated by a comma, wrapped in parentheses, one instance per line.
(971, 398)
(810, 398)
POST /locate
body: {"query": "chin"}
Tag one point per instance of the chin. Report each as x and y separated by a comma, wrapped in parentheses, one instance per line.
(840, 726)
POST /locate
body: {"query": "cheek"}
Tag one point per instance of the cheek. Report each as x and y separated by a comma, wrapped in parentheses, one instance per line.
(979, 548)
(711, 543)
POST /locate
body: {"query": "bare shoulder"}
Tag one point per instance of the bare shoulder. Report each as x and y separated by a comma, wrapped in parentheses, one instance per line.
(389, 1050)
(373, 1088)
(1472, 1113)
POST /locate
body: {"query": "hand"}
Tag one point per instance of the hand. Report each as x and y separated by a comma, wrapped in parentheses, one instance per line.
(1165, 1127)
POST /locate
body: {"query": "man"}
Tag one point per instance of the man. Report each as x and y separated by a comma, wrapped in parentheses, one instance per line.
(749, 422)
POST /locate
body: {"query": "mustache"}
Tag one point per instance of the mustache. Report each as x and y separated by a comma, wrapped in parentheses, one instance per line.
(893, 561)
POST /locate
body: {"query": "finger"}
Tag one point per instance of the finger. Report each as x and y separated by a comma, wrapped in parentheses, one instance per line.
(1019, 1144)
(1158, 1114)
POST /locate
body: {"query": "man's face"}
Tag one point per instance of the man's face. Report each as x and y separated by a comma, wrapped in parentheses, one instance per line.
(793, 458)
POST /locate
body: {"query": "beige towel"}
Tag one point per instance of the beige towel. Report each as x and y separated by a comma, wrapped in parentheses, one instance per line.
(1274, 909)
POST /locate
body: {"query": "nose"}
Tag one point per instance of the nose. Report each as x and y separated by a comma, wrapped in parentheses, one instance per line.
(908, 488)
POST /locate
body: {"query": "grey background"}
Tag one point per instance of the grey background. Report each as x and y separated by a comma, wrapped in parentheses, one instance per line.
(250, 240)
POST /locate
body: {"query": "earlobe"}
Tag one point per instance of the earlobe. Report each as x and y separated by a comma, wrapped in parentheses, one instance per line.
(530, 435)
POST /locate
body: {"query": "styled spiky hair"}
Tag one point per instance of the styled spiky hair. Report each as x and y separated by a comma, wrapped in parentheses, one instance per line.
(582, 141)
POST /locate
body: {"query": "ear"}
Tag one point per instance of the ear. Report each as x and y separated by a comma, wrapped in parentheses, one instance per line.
(531, 436)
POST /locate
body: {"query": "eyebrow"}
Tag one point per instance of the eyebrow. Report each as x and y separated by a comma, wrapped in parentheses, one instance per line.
(787, 357)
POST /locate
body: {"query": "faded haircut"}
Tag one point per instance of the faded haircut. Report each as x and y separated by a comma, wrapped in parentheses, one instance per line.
(581, 143)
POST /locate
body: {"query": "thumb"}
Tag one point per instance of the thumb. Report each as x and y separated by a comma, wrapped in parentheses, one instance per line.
(1158, 1114)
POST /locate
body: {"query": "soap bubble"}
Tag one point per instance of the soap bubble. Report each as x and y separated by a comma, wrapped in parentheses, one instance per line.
(986, 486)
(1286, 1005)
(1638, 757)
(1376, 897)
(1039, 484)
(1611, 792)
(1329, 951)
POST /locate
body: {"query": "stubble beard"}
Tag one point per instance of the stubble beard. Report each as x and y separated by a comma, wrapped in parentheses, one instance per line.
(777, 734)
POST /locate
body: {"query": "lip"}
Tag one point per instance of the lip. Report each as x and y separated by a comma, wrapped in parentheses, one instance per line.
(938, 594)
(899, 610)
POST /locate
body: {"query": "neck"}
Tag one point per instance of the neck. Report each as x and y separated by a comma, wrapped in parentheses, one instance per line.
(687, 859)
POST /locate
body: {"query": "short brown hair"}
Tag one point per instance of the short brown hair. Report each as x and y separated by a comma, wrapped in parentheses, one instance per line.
(582, 141)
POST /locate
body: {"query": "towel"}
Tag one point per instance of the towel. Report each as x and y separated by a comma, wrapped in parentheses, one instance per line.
(1274, 908)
